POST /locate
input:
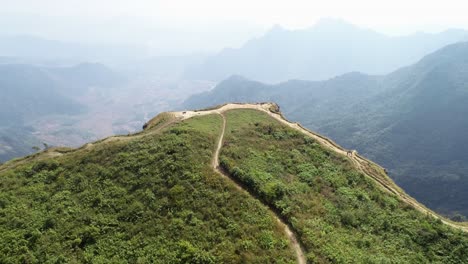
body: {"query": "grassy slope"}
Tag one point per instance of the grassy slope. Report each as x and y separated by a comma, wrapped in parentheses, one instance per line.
(147, 198)
(339, 215)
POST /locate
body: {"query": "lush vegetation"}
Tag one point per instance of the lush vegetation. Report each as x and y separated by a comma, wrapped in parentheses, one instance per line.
(149, 198)
(340, 215)
(411, 121)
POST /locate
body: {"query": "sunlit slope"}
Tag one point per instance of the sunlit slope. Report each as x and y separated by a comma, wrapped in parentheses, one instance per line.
(412, 121)
(147, 198)
(339, 214)
(232, 184)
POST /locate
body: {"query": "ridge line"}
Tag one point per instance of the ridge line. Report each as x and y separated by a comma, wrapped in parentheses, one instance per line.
(367, 167)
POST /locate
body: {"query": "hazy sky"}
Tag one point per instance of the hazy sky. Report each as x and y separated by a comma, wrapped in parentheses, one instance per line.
(391, 15)
(228, 23)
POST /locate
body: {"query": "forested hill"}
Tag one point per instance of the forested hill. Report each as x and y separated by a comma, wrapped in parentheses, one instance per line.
(411, 121)
(215, 186)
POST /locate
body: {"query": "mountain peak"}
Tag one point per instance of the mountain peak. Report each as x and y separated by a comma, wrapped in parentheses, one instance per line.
(277, 27)
(276, 30)
(236, 78)
(333, 24)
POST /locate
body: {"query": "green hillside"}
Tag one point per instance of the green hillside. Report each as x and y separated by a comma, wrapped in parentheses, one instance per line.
(340, 215)
(412, 121)
(154, 197)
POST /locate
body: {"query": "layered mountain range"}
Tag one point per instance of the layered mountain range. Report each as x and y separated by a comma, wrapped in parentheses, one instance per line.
(411, 121)
(328, 49)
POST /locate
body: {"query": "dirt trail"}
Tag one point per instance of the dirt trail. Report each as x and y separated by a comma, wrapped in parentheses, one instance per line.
(289, 233)
(215, 161)
(367, 167)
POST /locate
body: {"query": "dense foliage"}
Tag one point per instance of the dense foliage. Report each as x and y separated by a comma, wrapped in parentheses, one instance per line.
(340, 215)
(412, 121)
(150, 198)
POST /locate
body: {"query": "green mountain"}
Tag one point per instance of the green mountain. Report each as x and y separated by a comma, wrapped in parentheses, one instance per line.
(411, 121)
(234, 184)
(330, 48)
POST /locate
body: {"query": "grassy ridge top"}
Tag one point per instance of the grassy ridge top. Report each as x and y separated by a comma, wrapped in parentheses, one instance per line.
(154, 197)
(339, 214)
(146, 198)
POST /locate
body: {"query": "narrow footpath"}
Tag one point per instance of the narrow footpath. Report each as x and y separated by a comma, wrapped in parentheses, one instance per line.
(287, 230)
(367, 167)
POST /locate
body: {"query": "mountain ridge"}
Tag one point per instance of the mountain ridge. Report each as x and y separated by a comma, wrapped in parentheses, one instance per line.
(302, 54)
(421, 105)
(273, 110)
(158, 162)
(366, 166)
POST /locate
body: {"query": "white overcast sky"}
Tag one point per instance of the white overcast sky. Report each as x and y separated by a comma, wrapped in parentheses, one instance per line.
(389, 16)
(227, 23)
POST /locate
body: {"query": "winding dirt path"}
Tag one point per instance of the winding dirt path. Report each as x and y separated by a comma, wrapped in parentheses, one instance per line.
(367, 167)
(300, 256)
(215, 161)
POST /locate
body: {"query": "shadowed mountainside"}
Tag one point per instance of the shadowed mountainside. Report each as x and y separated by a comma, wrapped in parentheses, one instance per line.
(29, 93)
(330, 48)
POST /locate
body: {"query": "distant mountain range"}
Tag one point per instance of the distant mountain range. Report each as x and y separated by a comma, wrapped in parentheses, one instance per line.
(28, 93)
(77, 79)
(330, 48)
(54, 51)
(412, 121)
